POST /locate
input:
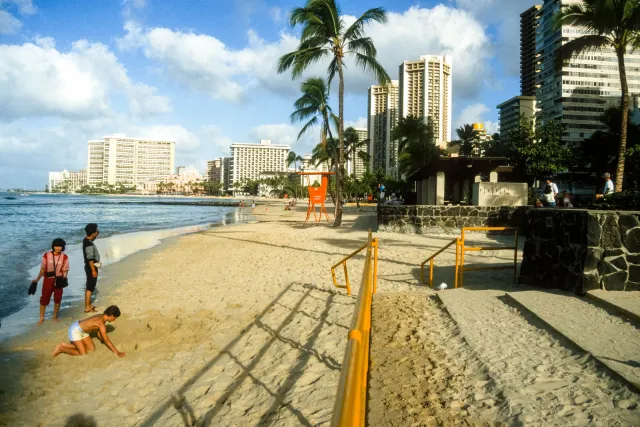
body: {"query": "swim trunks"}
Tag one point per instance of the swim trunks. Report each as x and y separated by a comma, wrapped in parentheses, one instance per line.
(76, 333)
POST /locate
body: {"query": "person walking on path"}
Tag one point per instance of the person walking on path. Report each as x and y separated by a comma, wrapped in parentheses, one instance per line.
(608, 184)
(550, 194)
(91, 264)
(80, 340)
(54, 264)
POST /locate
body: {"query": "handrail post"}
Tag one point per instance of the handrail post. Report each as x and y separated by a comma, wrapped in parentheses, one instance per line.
(375, 265)
(431, 274)
(455, 279)
(462, 258)
(346, 277)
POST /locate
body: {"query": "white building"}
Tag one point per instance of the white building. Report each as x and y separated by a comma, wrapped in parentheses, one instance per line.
(119, 159)
(579, 93)
(425, 91)
(67, 181)
(382, 118)
(188, 171)
(307, 166)
(249, 160)
(218, 171)
(511, 112)
(355, 165)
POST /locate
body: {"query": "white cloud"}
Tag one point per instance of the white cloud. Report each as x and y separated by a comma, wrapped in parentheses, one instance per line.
(39, 80)
(361, 123)
(25, 7)
(476, 113)
(8, 24)
(206, 64)
(504, 16)
(279, 133)
(276, 14)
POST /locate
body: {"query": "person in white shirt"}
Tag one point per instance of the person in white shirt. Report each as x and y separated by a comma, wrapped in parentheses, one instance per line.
(549, 194)
(608, 185)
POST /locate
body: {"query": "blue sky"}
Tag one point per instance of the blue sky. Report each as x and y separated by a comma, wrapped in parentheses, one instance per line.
(202, 72)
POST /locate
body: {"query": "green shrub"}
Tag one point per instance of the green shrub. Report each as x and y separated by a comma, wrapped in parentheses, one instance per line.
(625, 200)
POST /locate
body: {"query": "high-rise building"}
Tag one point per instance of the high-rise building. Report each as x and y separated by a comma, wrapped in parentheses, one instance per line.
(307, 165)
(512, 110)
(480, 135)
(56, 178)
(382, 119)
(425, 91)
(355, 165)
(187, 171)
(249, 160)
(218, 171)
(66, 181)
(585, 86)
(119, 159)
(528, 26)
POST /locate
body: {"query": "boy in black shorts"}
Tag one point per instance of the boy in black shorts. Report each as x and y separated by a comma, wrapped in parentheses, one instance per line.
(91, 264)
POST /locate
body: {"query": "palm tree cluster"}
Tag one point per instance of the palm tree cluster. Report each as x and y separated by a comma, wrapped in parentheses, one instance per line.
(325, 35)
(415, 144)
(607, 24)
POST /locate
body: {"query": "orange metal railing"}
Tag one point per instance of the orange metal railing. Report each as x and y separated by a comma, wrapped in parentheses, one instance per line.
(461, 249)
(464, 249)
(455, 241)
(343, 262)
(351, 400)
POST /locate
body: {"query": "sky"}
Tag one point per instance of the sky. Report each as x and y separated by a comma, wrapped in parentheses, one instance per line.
(203, 73)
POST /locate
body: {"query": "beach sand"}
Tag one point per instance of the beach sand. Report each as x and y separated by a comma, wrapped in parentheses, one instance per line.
(241, 325)
(238, 325)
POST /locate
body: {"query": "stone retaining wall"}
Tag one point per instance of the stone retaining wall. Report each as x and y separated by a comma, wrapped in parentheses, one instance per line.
(446, 219)
(580, 250)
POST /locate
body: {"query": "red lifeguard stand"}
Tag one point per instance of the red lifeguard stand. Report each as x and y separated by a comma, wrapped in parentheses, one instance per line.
(317, 194)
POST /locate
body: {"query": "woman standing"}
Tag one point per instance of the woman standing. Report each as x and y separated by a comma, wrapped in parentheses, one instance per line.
(55, 264)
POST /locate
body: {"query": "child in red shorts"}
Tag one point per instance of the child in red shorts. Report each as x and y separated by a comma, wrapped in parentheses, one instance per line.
(54, 264)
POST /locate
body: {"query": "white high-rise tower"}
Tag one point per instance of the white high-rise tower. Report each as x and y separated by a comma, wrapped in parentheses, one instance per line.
(425, 91)
(382, 119)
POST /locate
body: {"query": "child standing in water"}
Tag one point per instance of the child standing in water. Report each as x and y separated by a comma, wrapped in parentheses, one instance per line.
(79, 331)
(54, 264)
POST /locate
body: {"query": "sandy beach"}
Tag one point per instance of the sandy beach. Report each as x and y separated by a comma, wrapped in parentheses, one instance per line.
(241, 325)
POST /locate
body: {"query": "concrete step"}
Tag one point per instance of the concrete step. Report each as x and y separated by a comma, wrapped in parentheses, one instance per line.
(624, 302)
(612, 340)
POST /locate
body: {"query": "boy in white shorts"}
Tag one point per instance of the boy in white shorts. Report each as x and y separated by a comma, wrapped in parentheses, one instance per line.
(79, 331)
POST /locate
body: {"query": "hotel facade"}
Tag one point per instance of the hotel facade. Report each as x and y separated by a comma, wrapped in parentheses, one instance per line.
(248, 161)
(355, 165)
(382, 118)
(119, 159)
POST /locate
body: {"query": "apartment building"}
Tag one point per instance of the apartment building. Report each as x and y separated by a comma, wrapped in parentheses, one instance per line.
(355, 165)
(66, 181)
(218, 171)
(382, 118)
(119, 159)
(585, 87)
(511, 111)
(307, 165)
(528, 26)
(249, 160)
(425, 91)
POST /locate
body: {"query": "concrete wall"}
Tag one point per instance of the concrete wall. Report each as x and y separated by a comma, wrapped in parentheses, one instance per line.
(580, 250)
(500, 194)
(446, 219)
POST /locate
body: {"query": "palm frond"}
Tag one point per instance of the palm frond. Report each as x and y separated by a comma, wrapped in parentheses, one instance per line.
(332, 69)
(356, 30)
(578, 46)
(311, 123)
(306, 58)
(370, 64)
(362, 45)
(303, 114)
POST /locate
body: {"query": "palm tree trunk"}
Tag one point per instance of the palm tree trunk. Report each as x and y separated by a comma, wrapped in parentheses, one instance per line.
(338, 212)
(624, 106)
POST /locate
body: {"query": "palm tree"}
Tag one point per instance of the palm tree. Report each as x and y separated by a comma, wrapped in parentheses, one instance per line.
(325, 35)
(416, 144)
(466, 141)
(292, 157)
(313, 106)
(608, 24)
(353, 145)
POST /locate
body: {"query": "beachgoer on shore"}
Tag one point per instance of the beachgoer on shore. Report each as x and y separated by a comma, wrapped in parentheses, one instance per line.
(91, 264)
(608, 184)
(550, 193)
(81, 342)
(54, 265)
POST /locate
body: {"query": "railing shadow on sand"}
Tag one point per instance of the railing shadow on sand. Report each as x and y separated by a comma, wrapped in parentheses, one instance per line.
(306, 349)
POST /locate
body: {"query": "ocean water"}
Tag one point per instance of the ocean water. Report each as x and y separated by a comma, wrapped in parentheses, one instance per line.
(127, 225)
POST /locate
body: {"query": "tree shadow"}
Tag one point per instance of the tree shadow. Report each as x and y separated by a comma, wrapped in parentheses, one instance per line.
(306, 350)
(80, 420)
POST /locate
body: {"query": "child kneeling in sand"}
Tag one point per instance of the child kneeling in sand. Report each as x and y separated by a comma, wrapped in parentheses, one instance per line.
(79, 330)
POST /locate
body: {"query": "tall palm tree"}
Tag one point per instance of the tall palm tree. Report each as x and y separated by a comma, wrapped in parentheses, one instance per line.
(353, 145)
(416, 145)
(608, 24)
(325, 35)
(292, 157)
(314, 106)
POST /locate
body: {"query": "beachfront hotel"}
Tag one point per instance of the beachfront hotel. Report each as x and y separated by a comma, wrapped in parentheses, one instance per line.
(248, 161)
(355, 165)
(528, 25)
(218, 171)
(120, 159)
(587, 84)
(66, 181)
(382, 118)
(425, 91)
